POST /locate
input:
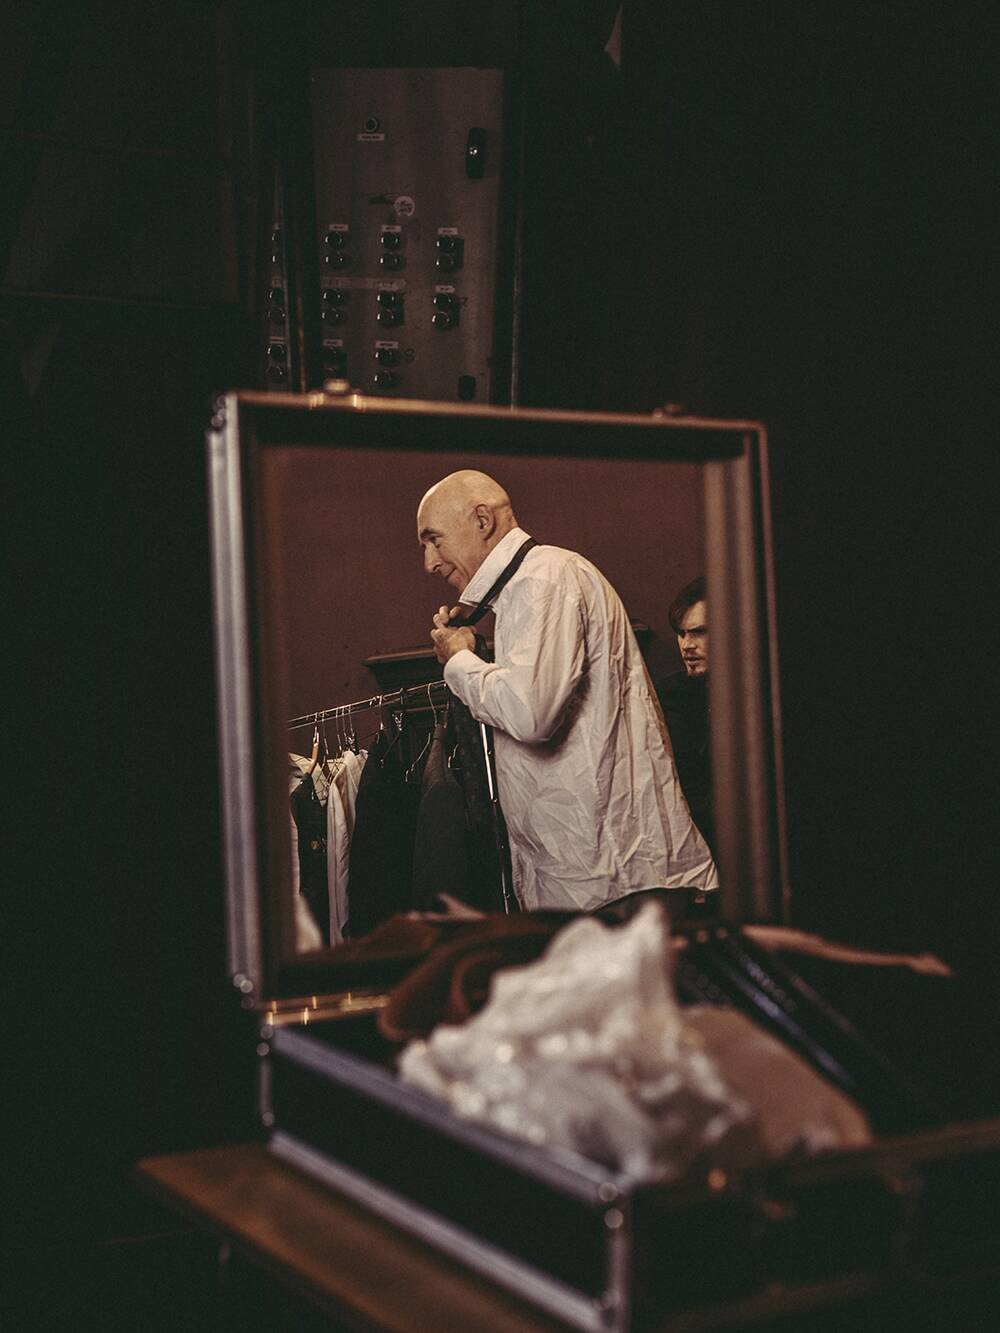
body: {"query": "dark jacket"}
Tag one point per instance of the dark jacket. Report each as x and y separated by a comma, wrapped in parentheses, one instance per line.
(684, 700)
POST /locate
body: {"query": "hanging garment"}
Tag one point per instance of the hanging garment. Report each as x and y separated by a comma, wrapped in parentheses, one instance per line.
(307, 932)
(319, 772)
(485, 829)
(586, 778)
(381, 852)
(441, 849)
(340, 812)
(309, 816)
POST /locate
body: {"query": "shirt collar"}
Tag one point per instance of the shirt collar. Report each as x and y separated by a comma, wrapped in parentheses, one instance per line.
(492, 567)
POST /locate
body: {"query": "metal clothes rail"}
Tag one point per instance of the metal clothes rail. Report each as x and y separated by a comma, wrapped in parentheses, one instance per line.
(425, 694)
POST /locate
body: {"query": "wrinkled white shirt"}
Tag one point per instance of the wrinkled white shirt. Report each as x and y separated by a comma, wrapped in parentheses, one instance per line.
(585, 772)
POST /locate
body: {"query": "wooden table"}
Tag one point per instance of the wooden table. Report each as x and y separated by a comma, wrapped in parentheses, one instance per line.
(370, 1277)
(361, 1270)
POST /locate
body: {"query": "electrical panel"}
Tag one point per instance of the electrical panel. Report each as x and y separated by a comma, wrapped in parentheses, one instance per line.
(407, 187)
(276, 313)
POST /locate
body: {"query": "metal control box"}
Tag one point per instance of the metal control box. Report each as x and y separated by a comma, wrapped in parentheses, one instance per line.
(408, 202)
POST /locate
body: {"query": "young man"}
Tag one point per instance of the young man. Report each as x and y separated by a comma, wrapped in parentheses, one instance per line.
(684, 700)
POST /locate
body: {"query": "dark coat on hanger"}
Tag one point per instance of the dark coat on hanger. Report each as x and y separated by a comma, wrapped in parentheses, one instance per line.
(385, 822)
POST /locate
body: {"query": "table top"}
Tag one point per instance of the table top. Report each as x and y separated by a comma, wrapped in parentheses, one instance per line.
(322, 1245)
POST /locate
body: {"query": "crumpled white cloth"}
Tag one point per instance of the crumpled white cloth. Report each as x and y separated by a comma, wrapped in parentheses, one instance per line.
(588, 1051)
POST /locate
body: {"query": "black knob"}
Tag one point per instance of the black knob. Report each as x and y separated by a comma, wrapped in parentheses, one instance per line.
(276, 294)
(446, 263)
(276, 315)
(334, 296)
(444, 301)
(384, 379)
(277, 351)
(442, 319)
(391, 261)
(391, 240)
(447, 244)
(334, 357)
(334, 316)
(389, 318)
(387, 356)
(276, 239)
(276, 374)
(389, 299)
(336, 240)
(337, 259)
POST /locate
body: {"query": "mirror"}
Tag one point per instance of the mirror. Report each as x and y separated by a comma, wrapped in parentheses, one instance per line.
(321, 590)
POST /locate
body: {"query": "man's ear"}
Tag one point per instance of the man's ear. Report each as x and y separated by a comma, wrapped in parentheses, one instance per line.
(485, 520)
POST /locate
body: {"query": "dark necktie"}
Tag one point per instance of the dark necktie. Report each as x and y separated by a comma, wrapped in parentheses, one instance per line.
(476, 615)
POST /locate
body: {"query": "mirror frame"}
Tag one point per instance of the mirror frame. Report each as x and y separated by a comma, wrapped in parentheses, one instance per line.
(745, 716)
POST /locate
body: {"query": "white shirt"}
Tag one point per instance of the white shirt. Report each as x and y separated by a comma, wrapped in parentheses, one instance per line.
(585, 772)
(339, 830)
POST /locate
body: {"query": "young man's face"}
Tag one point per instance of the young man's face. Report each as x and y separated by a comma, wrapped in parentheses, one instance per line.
(693, 640)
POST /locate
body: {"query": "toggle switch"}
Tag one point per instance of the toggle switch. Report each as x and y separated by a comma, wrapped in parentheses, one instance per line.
(450, 251)
(390, 309)
(333, 305)
(334, 243)
(445, 314)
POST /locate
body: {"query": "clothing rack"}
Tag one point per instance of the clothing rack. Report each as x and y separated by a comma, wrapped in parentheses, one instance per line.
(424, 695)
(394, 699)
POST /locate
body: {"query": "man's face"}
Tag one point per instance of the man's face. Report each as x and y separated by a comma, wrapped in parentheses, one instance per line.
(452, 542)
(693, 640)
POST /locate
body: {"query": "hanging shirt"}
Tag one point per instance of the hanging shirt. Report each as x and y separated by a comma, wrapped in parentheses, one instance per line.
(339, 829)
(307, 932)
(309, 815)
(586, 777)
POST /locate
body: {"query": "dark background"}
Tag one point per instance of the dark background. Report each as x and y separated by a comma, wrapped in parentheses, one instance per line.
(782, 211)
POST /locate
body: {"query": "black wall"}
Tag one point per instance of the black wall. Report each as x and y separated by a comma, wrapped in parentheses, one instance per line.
(820, 191)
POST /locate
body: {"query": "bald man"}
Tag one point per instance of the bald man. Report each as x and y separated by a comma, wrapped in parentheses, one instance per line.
(586, 778)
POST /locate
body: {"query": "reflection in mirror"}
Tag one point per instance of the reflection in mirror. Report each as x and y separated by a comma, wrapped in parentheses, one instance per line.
(347, 608)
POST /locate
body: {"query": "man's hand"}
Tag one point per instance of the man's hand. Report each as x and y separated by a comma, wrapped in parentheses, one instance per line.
(448, 642)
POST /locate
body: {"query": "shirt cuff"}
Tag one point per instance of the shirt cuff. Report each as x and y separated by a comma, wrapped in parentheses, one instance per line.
(458, 666)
